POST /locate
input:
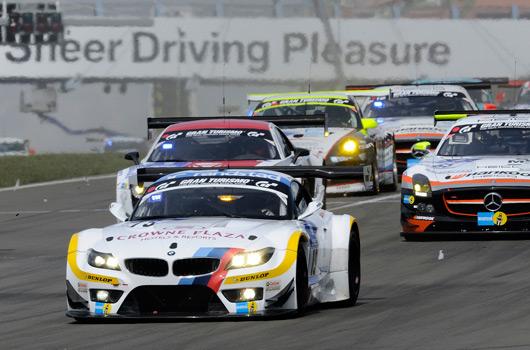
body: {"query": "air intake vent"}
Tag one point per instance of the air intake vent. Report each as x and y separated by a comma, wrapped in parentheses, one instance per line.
(147, 267)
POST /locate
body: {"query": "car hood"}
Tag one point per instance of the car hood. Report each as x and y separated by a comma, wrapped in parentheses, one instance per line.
(314, 138)
(156, 238)
(466, 170)
(415, 127)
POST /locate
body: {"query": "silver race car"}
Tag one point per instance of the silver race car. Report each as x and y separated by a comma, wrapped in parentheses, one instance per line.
(476, 182)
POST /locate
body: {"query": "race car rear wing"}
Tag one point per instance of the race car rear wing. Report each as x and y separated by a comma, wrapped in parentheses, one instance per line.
(282, 120)
(455, 115)
(151, 174)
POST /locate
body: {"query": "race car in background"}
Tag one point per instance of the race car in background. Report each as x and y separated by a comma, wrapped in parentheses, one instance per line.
(12, 146)
(408, 110)
(216, 243)
(349, 140)
(476, 182)
(480, 89)
(213, 142)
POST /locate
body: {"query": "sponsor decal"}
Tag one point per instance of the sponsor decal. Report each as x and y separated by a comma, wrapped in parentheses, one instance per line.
(499, 218)
(273, 285)
(491, 173)
(408, 199)
(96, 278)
(411, 162)
(252, 307)
(248, 278)
(491, 219)
(82, 287)
(102, 308)
(185, 234)
(420, 217)
(246, 308)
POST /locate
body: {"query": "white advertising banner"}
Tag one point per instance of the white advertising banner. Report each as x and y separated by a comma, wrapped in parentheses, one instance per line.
(279, 50)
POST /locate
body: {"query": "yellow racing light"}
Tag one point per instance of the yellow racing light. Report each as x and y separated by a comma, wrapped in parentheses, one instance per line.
(138, 190)
(349, 146)
(228, 197)
(326, 133)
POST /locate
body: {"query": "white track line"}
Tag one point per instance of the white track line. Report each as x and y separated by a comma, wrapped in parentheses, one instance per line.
(57, 182)
(377, 199)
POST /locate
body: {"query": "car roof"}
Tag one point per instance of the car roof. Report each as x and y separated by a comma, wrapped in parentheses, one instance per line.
(221, 123)
(426, 87)
(11, 140)
(306, 95)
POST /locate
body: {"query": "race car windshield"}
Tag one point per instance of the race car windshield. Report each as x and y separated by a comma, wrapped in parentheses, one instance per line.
(214, 145)
(414, 106)
(338, 116)
(228, 201)
(508, 141)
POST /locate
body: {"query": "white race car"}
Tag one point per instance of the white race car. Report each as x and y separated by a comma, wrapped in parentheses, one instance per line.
(408, 111)
(215, 243)
(476, 182)
(214, 142)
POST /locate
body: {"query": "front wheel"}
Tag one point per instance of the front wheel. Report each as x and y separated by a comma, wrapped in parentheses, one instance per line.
(302, 282)
(354, 270)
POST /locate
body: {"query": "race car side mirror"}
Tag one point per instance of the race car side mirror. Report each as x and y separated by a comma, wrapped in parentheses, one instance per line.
(118, 210)
(300, 152)
(369, 123)
(311, 209)
(421, 149)
(134, 156)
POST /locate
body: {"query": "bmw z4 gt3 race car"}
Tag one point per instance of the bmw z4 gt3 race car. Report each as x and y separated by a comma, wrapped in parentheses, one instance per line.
(349, 140)
(216, 243)
(477, 181)
(213, 142)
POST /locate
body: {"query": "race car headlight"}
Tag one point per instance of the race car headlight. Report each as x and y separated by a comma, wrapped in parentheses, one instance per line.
(137, 191)
(250, 259)
(421, 186)
(349, 146)
(102, 260)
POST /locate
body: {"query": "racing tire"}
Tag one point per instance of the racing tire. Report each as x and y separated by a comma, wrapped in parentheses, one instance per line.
(375, 180)
(395, 176)
(354, 270)
(302, 282)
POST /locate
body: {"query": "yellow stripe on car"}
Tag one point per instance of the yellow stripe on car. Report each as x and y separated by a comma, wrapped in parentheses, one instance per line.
(84, 276)
(288, 261)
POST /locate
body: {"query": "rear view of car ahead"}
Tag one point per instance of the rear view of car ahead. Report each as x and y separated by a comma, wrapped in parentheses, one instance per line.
(348, 140)
(216, 243)
(409, 110)
(476, 182)
(211, 142)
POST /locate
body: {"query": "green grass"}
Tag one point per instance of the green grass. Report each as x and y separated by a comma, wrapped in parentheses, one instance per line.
(49, 167)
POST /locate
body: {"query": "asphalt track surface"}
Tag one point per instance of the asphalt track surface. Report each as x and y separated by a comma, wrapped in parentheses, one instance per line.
(439, 294)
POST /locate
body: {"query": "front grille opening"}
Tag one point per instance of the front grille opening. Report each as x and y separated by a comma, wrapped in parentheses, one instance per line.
(195, 266)
(147, 267)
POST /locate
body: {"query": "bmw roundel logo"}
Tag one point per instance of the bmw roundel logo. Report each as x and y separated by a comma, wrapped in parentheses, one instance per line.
(171, 253)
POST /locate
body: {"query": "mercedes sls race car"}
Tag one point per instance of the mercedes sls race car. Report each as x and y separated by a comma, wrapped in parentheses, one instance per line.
(348, 141)
(477, 181)
(208, 142)
(408, 111)
(214, 243)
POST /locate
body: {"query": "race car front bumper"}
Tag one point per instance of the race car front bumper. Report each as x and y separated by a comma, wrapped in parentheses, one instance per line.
(433, 215)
